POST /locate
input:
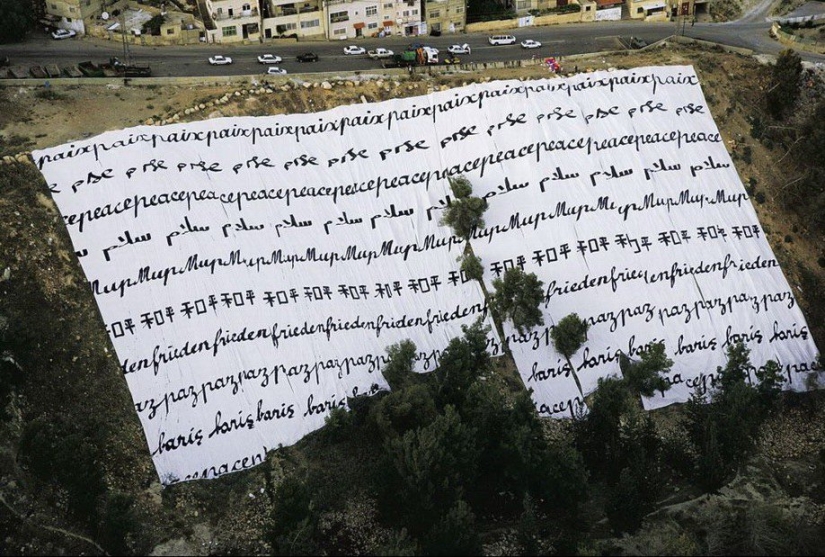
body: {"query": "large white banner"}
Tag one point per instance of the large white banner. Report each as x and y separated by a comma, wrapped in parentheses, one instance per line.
(252, 271)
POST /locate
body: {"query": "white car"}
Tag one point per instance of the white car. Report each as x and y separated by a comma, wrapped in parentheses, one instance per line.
(220, 60)
(269, 59)
(352, 49)
(64, 34)
(530, 43)
(459, 49)
(275, 70)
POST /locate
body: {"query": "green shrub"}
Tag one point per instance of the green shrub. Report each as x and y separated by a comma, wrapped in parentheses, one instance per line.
(294, 521)
(724, 432)
(49, 94)
(460, 364)
(517, 298)
(399, 368)
(118, 524)
(466, 212)
(55, 448)
(454, 533)
(434, 464)
(403, 411)
(784, 86)
(152, 27)
(747, 154)
(471, 266)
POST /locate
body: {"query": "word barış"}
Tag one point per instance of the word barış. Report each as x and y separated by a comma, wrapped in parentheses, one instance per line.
(247, 420)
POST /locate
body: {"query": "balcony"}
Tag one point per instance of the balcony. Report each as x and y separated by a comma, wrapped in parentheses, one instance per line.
(292, 11)
(240, 14)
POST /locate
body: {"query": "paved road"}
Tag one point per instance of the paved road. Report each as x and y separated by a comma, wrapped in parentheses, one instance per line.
(562, 40)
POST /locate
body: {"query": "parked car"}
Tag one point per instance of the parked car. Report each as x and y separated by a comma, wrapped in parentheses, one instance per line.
(530, 43)
(352, 49)
(307, 57)
(269, 59)
(416, 46)
(501, 39)
(459, 49)
(380, 53)
(275, 70)
(64, 34)
(220, 60)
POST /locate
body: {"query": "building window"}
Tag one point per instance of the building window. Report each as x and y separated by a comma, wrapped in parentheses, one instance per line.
(640, 10)
(406, 13)
(523, 5)
(388, 6)
(342, 31)
(310, 24)
(415, 12)
(371, 10)
(170, 31)
(283, 28)
(459, 10)
(372, 25)
(229, 31)
(435, 13)
(338, 17)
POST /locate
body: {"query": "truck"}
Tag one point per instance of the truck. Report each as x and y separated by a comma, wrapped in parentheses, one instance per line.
(114, 68)
(130, 69)
(421, 56)
(380, 53)
(90, 69)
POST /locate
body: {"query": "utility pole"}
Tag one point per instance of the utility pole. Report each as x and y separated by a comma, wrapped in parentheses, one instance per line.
(127, 55)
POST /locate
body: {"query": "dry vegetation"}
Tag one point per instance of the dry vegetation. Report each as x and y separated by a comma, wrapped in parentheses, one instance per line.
(44, 303)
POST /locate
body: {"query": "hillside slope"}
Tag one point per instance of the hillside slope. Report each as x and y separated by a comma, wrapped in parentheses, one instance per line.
(75, 473)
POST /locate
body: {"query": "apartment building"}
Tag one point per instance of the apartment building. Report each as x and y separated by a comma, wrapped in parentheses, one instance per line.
(522, 7)
(73, 14)
(229, 21)
(304, 18)
(666, 9)
(445, 16)
(348, 19)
